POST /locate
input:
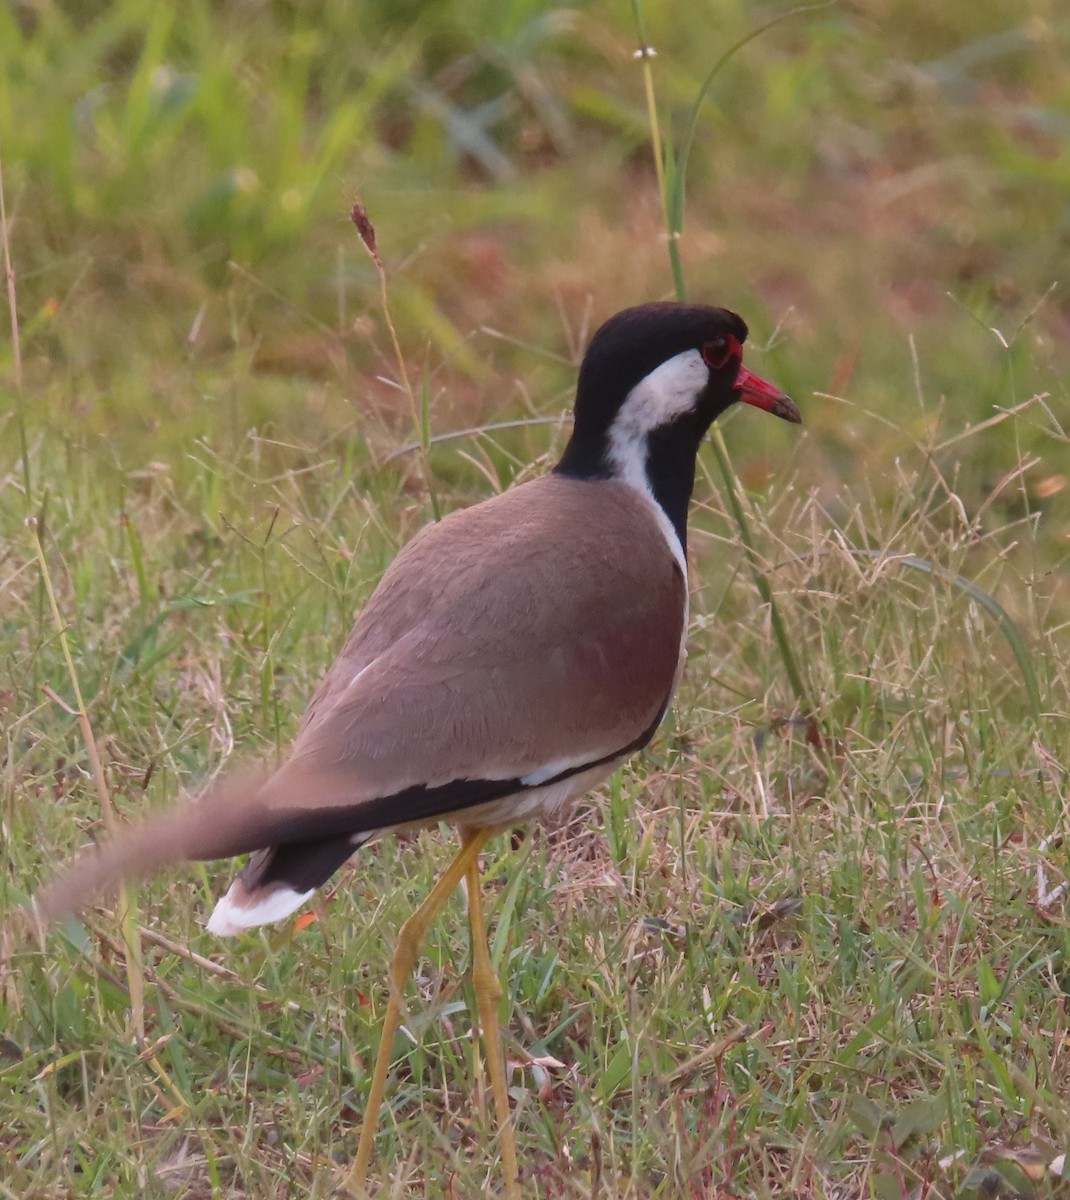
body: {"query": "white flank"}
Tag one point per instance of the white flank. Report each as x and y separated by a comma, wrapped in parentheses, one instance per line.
(658, 399)
(539, 801)
(555, 767)
(230, 916)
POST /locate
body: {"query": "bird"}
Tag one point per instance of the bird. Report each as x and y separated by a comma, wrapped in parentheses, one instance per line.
(512, 656)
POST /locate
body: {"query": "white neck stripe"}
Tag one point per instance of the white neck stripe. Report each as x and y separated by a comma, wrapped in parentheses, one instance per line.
(658, 399)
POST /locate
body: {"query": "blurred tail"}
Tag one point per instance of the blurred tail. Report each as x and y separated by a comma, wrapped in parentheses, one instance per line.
(228, 819)
(245, 812)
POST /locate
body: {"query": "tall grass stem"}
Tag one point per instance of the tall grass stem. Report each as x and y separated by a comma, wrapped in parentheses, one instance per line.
(16, 344)
(671, 173)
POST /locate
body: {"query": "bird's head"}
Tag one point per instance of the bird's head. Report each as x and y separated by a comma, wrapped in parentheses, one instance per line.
(653, 380)
(659, 364)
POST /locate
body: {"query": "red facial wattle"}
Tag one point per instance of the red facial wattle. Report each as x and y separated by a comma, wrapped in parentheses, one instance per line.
(752, 389)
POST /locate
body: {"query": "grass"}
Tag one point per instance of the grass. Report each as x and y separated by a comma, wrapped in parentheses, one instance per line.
(768, 968)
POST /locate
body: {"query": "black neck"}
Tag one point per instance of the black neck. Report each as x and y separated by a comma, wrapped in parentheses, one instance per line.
(670, 470)
(585, 458)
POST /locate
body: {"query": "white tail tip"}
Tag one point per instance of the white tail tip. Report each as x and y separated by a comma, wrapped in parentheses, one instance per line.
(240, 909)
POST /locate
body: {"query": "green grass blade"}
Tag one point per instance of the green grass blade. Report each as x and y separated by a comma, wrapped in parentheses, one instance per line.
(1004, 622)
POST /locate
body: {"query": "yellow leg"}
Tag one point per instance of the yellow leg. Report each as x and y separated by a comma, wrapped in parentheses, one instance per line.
(410, 939)
(488, 993)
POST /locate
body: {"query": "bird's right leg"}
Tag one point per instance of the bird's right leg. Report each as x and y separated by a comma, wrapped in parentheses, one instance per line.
(488, 993)
(410, 940)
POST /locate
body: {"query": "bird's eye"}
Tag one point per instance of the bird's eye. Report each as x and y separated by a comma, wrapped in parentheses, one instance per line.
(717, 353)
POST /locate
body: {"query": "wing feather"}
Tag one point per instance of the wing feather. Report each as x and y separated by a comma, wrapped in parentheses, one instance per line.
(538, 631)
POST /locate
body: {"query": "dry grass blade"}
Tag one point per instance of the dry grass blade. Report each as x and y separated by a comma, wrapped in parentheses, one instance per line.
(420, 414)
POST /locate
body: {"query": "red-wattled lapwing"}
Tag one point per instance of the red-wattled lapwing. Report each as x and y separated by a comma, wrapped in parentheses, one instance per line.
(513, 655)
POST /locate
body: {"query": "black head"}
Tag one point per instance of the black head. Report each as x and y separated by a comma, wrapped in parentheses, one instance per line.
(653, 380)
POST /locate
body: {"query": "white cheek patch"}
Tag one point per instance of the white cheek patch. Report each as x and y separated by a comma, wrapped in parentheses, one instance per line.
(668, 392)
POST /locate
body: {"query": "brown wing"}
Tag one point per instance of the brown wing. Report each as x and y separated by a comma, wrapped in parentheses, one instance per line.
(533, 633)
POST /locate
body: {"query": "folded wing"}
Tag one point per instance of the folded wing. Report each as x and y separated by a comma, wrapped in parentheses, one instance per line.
(509, 646)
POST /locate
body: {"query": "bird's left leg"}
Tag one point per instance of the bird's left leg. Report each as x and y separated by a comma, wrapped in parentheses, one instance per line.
(410, 940)
(488, 993)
